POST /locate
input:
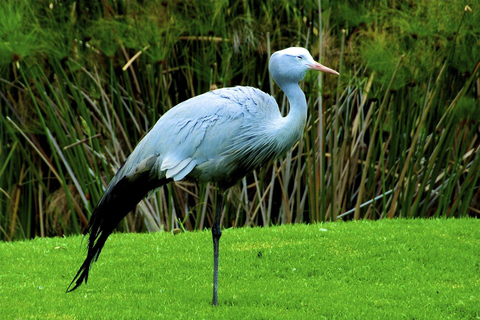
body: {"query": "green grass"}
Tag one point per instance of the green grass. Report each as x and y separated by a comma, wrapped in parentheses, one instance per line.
(387, 269)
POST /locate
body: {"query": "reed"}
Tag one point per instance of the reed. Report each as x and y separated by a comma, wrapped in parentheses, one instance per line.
(396, 135)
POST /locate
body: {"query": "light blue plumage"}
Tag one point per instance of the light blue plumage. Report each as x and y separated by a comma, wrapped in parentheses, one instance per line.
(200, 138)
(219, 136)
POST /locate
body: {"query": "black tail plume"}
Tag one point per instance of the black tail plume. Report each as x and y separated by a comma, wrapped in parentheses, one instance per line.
(121, 197)
(92, 255)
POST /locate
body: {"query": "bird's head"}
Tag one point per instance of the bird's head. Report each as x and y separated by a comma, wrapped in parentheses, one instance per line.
(291, 65)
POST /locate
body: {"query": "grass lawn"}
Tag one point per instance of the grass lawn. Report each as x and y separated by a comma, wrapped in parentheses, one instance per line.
(388, 269)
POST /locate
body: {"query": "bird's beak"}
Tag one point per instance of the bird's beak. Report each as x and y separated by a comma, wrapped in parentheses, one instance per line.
(319, 67)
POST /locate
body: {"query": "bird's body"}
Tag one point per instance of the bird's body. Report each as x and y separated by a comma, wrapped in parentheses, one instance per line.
(226, 130)
(219, 136)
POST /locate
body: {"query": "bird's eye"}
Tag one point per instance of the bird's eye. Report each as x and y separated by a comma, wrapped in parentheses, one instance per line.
(299, 58)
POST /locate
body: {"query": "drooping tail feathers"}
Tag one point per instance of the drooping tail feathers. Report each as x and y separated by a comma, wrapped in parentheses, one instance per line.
(119, 199)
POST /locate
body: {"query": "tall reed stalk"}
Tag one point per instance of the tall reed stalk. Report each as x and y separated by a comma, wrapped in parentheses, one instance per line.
(396, 135)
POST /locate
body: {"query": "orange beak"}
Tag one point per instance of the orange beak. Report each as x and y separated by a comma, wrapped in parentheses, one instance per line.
(319, 67)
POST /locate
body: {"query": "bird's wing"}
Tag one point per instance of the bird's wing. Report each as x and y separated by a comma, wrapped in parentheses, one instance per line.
(202, 137)
(199, 130)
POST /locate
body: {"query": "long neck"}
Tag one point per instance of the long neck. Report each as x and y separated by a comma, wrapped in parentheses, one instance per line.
(298, 104)
(294, 123)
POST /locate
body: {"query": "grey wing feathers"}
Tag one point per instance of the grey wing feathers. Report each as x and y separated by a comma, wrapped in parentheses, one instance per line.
(211, 137)
(201, 137)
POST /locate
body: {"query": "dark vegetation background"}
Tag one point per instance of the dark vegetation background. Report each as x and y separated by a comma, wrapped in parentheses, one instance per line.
(396, 135)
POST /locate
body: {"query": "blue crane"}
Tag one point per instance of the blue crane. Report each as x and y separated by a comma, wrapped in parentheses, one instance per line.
(219, 136)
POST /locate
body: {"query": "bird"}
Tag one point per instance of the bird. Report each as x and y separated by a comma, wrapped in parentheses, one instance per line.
(219, 136)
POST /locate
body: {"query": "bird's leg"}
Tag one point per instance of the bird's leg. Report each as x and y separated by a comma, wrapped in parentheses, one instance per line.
(216, 233)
